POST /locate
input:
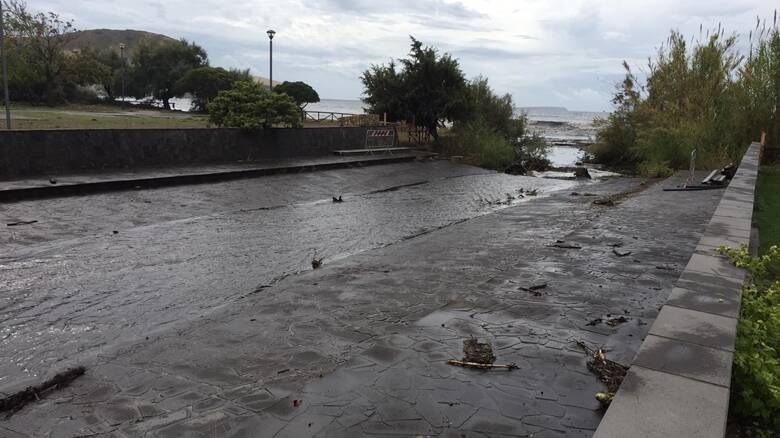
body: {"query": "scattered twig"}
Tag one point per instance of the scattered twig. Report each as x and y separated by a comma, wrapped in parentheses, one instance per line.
(534, 288)
(563, 245)
(607, 202)
(14, 402)
(13, 224)
(485, 366)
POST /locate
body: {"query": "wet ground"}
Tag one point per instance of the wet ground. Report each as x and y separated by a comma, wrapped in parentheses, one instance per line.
(358, 347)
(99, 269)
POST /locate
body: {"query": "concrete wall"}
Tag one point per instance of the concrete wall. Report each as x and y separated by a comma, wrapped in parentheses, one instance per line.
(679, 382)
(28, 152)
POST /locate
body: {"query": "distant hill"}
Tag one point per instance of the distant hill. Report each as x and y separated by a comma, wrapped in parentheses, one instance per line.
(101, 39)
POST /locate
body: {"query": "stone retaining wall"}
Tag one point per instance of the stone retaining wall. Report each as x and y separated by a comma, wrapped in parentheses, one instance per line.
(31, 152)
(679, 382)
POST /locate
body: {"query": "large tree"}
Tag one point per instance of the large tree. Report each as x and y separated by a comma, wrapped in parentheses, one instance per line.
(157, 66)
(301, 92)
(430, 88)
(204, 83)
(36, 48)
(117, 66)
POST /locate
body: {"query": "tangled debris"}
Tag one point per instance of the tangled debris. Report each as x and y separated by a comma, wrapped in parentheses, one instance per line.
(612, 322)
(475, 351)
(15, 402)
(564, 245)
(478, 355)
(609, 320)
(529, 192)
(316, 263)
(535, 288)
(609, 372)
(617, 198)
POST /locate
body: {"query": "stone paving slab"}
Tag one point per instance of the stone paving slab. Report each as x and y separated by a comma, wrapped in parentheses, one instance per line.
(359, 347)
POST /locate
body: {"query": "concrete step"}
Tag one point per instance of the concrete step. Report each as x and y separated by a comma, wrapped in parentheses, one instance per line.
(372, 151)
(48, 186)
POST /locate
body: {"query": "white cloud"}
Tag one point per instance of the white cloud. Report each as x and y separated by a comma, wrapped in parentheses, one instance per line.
(544, 52)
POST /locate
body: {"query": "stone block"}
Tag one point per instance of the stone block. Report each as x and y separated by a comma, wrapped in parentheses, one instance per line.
(684, 359)
(715, 265)
(695, 327)
(713, 302)
(654, 404)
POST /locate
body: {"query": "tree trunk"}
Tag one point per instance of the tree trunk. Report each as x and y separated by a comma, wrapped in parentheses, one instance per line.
(432, 129)
(166, 103)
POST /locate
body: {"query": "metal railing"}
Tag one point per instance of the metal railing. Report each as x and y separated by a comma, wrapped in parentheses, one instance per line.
(343, 119)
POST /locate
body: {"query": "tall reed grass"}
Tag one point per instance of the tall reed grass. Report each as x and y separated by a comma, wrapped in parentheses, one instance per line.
(704, 93)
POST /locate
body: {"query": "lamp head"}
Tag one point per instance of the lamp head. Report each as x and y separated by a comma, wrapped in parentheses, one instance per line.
(271, 34)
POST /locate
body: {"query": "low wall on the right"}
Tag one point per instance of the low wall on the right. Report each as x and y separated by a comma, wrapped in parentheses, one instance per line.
(679, 382)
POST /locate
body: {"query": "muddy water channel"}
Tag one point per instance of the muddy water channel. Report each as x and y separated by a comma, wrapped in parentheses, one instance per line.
(101, 269)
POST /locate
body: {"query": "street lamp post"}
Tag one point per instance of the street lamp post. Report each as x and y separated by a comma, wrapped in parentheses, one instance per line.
(122, 56)
(5, 69)
(271, 34)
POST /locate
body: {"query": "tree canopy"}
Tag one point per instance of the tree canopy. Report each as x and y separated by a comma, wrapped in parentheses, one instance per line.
(204, 83)
(429, 89)
(157, 66)
(36, 56)
(301, 92)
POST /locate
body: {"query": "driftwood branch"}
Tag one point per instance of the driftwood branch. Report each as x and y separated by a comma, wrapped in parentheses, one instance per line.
(14, 402)
(484, 366)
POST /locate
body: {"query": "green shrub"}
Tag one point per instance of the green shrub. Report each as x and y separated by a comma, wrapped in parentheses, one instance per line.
(247, 105)
(655, 170)
(756, 373)
(479, 145)
(532, 153)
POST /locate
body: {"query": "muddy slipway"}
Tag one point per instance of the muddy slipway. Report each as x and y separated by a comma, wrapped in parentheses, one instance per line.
(101, 269)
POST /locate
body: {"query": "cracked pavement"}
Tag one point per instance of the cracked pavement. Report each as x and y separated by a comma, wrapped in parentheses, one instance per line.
(360, 346)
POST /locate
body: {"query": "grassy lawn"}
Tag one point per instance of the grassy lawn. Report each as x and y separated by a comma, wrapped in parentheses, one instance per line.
(99, 116)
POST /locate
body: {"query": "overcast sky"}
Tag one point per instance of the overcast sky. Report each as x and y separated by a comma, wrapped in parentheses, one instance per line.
(545, 52)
